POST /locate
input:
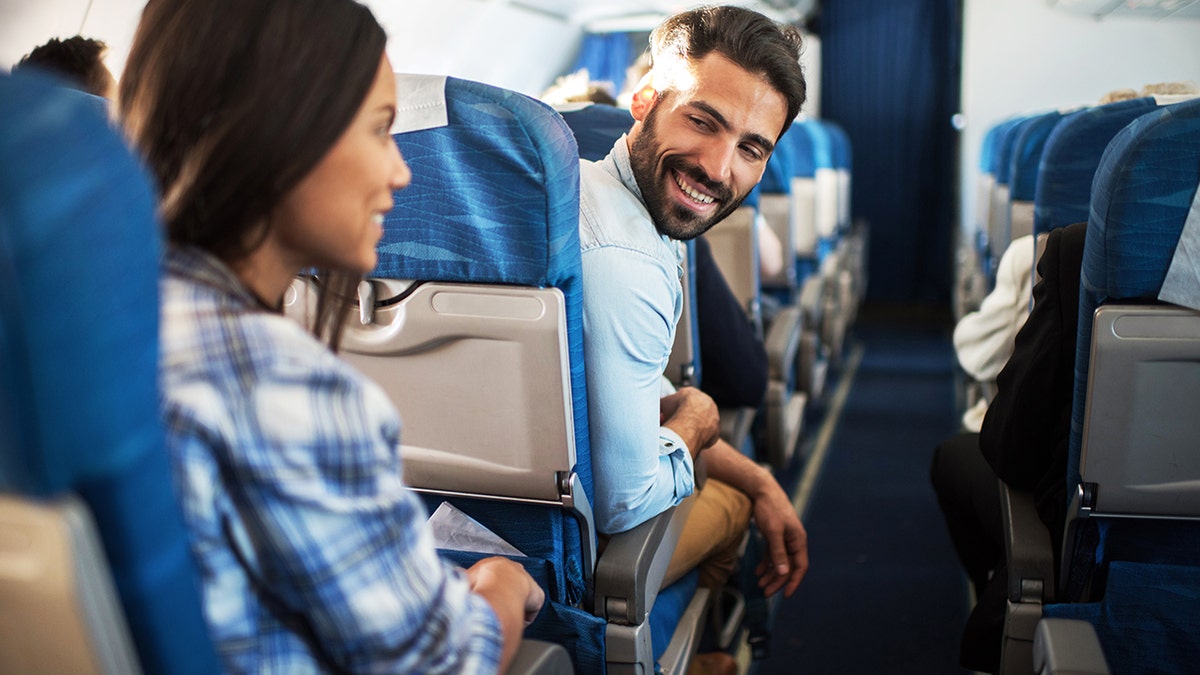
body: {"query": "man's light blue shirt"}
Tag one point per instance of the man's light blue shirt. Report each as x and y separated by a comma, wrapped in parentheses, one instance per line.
(632, 300)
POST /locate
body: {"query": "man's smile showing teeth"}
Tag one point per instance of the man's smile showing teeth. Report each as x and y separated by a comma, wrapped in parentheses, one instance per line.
(689, 191)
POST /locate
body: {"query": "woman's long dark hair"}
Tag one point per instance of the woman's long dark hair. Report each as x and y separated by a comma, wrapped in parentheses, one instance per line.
(233, 102)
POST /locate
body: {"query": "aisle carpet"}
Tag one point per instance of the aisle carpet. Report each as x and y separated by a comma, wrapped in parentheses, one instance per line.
(885, 593)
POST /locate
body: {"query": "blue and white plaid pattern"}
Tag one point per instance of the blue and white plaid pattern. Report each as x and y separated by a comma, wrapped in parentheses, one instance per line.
(314, 556)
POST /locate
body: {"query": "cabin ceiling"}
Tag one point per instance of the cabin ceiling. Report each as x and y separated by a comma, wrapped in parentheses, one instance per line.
(604, 15)
(1145, 9)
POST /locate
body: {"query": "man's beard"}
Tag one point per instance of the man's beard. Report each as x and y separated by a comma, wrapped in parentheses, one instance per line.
(673, 219)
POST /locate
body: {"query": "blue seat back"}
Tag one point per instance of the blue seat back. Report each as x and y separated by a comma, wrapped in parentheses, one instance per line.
(494, 199)
(596, 127)
(843, 161)
(1027, 154)
(803, 149)
(1029, 141)
(1141, 197)
(79, 256)
(1069, 159)
(1143, 190)
(988, 157)
(824, 172)
(777, 176)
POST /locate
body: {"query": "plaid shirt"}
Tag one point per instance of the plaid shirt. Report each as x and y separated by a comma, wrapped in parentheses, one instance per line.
(314, 557)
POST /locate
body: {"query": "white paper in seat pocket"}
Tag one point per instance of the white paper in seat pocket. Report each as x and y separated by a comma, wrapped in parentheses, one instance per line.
(456, 531)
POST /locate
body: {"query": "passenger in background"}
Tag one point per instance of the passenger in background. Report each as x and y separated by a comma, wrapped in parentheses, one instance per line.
(78, 59)
(724, 85)
(1023, 442)
(266, 126)
(733, 359)
(1118, 95)
(1170, 89)
(578, 87)
(983, 339)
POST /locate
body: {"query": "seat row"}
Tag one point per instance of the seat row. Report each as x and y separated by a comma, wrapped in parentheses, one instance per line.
(1130, 170)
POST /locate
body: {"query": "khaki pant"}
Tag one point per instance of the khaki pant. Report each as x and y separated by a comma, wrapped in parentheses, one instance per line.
(711, 535)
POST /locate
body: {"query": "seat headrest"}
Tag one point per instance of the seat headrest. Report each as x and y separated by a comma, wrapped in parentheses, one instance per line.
(1070, 157)
(840, 143)
(596, 127)
(777, 177)
(803, 151)
(1027, 154)
(1143, 191)
(494, 196)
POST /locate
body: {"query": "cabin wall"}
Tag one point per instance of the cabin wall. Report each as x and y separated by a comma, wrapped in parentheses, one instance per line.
(1022, 56)
(489, 42)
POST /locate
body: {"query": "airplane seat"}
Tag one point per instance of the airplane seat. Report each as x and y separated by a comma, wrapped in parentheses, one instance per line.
(1030, 137)
(814, 227)
(95, 571)
(683, 365)
(1072, 152)
(734, 244)
(476, 296)
(774, 195)
(1131, 549)
(1028, 147)
(798, 147)
(596, 126)
(973, 259)
(837, 265)
(999, 212)
(854, 234)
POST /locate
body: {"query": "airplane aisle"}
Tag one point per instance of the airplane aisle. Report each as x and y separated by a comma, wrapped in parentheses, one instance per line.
(885, 593)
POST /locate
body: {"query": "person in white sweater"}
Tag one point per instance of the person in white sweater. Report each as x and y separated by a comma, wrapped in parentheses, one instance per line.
(983, 339)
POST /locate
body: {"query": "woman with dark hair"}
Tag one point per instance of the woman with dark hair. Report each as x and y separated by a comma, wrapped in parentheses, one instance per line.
(266, 125)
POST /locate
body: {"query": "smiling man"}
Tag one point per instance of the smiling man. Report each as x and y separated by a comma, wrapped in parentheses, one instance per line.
(724, 85)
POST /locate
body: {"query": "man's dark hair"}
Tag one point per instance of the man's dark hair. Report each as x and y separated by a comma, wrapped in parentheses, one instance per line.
(78, 59)
(745, 37)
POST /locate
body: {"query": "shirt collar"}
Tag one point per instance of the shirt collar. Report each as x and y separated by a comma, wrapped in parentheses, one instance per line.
(617, 164)
(205, 269)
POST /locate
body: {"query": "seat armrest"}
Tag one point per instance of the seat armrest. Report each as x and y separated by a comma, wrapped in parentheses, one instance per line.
(1027, 546)
(811, 294)
(1067, 647)
(736, 424)
(535, 657)
(630, 571)
(782, 343)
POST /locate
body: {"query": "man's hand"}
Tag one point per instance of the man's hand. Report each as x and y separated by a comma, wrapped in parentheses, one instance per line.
(690, 413)
(787, 542)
